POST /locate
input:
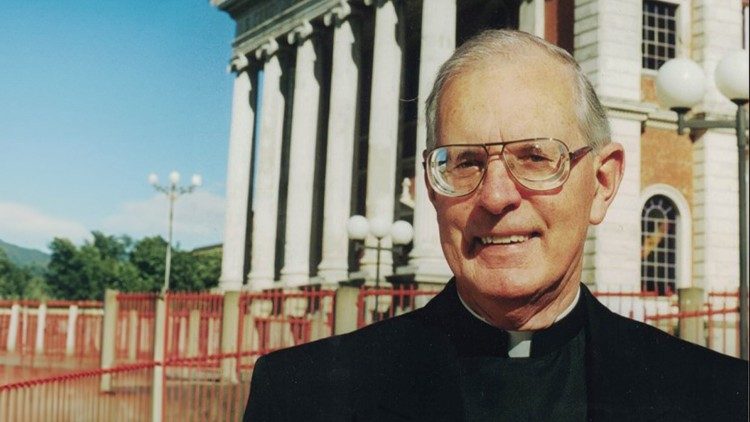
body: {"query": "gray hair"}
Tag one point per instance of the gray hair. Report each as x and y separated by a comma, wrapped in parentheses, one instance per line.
(592, 120)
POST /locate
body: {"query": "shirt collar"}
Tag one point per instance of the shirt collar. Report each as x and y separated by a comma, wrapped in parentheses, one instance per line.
(519, 342)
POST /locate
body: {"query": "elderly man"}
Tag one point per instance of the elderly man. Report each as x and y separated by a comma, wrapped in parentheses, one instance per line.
(519, 163)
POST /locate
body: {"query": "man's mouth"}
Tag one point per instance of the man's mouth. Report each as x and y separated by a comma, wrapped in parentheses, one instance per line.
(503, 240)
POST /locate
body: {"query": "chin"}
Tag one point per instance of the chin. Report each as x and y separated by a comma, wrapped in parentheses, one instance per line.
(511, 285)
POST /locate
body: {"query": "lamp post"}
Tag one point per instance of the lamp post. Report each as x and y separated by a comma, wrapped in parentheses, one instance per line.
(680, 85)
(358, 227)
(173, 191)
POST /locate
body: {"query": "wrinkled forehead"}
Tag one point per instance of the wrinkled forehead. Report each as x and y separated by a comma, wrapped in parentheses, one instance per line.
(507, 98)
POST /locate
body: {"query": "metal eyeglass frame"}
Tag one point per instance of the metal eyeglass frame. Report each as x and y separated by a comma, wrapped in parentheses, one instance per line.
(572, 158)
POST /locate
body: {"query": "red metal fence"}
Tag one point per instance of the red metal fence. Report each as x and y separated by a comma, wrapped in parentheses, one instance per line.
(193, 324)
(45, 332)
(276, 319)
(135, 327)
(375, 305)
(716, 323)
(81, 396)
(214, 392)
(713, 324)
(267, 321)
(215, 384)
(192, 389)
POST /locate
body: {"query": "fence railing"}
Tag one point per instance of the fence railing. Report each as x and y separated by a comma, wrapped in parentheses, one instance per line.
(81, 396)
(276, 319)
(214, 391)
(192, 389)
(711, 321)
(193, 324)
(50, 330)
(211, 343)
(135, 327)
(375, 305)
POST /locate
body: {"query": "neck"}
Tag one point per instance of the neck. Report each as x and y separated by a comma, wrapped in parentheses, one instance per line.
(524, 315)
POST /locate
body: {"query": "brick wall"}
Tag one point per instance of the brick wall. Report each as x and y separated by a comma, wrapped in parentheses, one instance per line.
(667, 157)
(648, 89)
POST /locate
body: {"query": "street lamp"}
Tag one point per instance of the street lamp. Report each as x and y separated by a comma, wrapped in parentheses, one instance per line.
(358, 227)
(680, 85)
(173, 191)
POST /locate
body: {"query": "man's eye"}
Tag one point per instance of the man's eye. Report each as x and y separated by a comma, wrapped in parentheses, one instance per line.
(537, 158)
(534, 158)
(466, 164)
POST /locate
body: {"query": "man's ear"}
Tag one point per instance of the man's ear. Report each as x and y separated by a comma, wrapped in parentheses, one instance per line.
(609, 169)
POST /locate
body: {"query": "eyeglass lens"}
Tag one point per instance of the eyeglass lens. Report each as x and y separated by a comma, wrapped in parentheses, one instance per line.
(538, 164)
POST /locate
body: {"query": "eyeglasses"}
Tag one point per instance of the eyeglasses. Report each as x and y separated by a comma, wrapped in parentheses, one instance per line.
(537, 164)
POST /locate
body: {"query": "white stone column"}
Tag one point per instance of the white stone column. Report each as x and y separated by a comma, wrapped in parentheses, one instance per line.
(301, 158)
(715, 212)
(383, 130)
(70, 335)
(266, 199)
(608, 46)
(109, 338)
(239, 170)
(15, 312)
(41, 323)
(531, 17)
(158, 374)
(438, 42)
(342, 136)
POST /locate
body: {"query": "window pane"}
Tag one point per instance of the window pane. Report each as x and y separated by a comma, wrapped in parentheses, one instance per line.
(659, 27)
(659, 244)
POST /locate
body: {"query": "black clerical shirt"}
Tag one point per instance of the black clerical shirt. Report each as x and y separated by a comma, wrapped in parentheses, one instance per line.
(550, 384)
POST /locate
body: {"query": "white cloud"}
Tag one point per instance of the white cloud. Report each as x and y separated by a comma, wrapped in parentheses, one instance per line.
(26, 226)
(198, 219)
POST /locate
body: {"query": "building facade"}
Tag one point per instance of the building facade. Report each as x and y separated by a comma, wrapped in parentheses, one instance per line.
(328, 122)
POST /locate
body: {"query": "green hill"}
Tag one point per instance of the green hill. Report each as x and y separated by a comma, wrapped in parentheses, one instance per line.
(24, 257)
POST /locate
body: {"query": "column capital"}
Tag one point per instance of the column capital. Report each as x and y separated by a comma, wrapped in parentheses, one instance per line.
(238, 64)
(337, 13)
(268, 49)
(300, 33)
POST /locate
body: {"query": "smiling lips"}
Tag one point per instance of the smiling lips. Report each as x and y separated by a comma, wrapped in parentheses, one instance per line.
(503, 240)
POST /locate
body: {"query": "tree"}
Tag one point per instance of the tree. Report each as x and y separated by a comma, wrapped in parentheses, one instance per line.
(84, 273)
(188, 272)
(65, 270)
(148, 258)
(19, 282)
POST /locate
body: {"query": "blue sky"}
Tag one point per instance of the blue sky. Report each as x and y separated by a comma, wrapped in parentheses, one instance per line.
(95, 95)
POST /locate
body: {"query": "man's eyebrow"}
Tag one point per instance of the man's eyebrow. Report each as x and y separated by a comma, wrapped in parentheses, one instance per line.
(467, 150)
(527, 147)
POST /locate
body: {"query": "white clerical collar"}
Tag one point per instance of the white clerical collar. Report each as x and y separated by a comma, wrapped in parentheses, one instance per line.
(519, 342)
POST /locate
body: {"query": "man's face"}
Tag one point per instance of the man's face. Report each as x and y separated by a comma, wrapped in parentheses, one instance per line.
(498, 102)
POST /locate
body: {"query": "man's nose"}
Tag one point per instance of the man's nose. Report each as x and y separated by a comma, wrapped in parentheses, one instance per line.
(498, 191)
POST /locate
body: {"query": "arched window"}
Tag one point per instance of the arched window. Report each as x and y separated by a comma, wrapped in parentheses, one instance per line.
(659, 223)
